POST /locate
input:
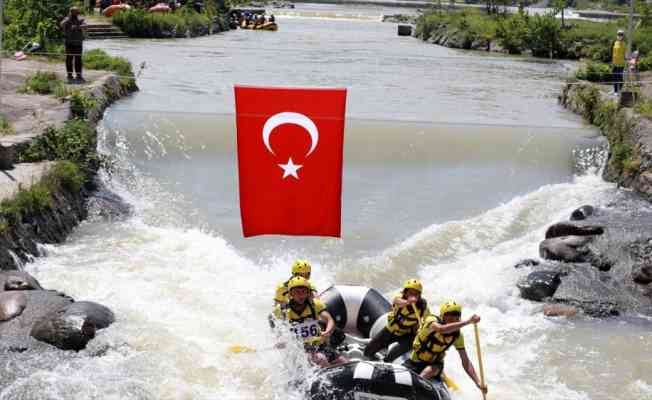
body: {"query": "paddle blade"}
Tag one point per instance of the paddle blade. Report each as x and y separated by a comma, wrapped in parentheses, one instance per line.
(241, 349)
(450, 383)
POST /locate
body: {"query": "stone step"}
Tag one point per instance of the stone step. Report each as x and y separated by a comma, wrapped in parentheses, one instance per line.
(109, 37)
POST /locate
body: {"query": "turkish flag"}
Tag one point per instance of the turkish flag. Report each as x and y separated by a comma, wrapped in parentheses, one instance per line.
(290, 144)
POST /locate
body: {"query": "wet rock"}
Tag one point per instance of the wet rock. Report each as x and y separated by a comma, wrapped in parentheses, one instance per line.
(106, 205)
(582, 213)
(528, 262)
(539, 285)
(72, 327)
(12, 305)
(643, 274)
(39, 303)
(592, 308)
(101, 316)
(559, 310)
(570, 229)
(18, 280)
(565, 248)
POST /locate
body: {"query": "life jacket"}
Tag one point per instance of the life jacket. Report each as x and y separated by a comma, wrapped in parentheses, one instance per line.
(304, 324)
(403, 320)
(431, 347)
(618, 53)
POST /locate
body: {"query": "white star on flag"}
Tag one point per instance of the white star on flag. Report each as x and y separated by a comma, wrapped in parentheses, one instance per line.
(290, 169)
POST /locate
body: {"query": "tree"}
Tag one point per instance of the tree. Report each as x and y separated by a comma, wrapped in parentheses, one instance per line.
(559, 6)
(34, 20)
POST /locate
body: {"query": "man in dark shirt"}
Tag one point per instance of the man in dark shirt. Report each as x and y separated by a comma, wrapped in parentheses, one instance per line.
(73, 30)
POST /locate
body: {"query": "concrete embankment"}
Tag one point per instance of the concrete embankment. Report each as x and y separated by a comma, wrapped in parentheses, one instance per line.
(48, 215)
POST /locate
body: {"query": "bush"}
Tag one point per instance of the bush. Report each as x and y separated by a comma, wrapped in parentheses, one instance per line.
(80, 105)
(512, 33)
(41, 82)
(143, 24)
(34, 21)
(75, 142)
(544, 36)
(66, 175)
(100, 59)
(645, 108)
(594, 72)
(5, 126)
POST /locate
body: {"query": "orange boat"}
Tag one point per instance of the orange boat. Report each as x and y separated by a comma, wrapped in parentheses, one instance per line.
(109, 11)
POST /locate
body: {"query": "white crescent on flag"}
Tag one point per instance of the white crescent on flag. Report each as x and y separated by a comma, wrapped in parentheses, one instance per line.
(291, 118)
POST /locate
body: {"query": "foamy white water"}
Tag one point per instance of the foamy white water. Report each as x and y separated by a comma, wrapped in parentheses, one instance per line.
(456, 204)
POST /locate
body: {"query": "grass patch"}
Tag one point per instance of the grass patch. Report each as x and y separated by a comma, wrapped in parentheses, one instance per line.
(100, 59)
(64, 175)
(74, 142)
(644, 107)
(142, 24)
(43, 82)
(80, 104)
(5, 126)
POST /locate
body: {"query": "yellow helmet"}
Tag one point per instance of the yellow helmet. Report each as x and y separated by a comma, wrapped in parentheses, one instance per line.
(413, 284)
(301, 267)
(298, 281)
(450, 307)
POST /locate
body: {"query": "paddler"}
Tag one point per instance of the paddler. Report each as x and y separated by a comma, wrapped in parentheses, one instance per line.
(300, 268)
(408, 307)
(303, 314)
(436, 335)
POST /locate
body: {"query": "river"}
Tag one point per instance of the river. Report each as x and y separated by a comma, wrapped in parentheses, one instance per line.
(455, 164)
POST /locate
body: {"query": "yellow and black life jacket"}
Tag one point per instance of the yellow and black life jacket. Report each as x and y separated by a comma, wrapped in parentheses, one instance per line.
(403, 320)
(431, 346)
(305, 323)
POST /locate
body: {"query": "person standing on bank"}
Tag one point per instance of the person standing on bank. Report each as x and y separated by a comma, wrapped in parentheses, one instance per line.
(73, 30)
(618, 61)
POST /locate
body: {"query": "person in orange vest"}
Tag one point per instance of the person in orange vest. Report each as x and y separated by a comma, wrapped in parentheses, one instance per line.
(618, 61)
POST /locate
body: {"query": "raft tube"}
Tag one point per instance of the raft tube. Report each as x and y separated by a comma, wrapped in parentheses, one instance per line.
(373, 380)
(110, 10)
(358, 310)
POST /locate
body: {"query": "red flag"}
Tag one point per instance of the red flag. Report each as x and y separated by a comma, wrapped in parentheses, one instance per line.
(290, 160)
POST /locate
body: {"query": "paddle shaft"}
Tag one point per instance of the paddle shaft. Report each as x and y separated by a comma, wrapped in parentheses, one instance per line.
(477, 344)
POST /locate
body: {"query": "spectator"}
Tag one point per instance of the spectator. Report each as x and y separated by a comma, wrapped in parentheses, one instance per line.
(618, 61)
(73, 30)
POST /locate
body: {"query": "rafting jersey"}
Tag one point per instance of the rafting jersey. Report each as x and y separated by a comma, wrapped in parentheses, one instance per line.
(403, 320)
(305, 324)
(282, 292)
(430, 346)
(618, 53)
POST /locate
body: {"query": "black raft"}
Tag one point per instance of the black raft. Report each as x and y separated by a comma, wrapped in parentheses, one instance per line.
(372, 380)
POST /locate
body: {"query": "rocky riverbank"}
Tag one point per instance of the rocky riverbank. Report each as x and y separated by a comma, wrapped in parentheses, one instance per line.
(600, 261)
(44, 199)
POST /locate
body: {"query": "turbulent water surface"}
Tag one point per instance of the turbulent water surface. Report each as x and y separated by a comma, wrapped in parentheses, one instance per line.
(455, 163)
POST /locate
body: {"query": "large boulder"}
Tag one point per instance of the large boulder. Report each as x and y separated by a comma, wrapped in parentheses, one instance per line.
(642, 274)
(572, 229)
(12, 305)
(38, 304)
(539, 285)
(582, 213)
(18, 280)
(565, 248)
(73, 327)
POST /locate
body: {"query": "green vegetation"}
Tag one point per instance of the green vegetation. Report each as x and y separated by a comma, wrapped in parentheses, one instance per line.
(44, 82)
(74, 142)
(100, 59)
(80, 105)
(594, 72)
(33, 21)
(539, 35)
(644, 107)
(64, 175)
(181, 23)
(5, 126)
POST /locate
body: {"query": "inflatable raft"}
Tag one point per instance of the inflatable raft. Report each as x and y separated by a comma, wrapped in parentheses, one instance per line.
(361, 312)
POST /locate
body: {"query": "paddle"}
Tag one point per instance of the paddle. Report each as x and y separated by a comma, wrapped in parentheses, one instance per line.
(477, 343)
(447, 381)
(236, 349)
